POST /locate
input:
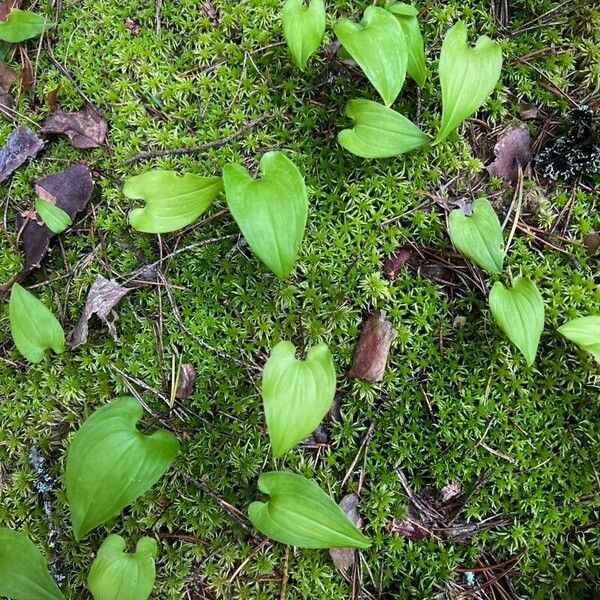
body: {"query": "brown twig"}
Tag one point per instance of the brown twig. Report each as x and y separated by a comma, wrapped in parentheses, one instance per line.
(200, 147)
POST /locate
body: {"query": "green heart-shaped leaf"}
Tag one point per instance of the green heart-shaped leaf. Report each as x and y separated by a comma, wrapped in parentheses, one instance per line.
(110, 463)
(118, 575)
(23, 571)
(300, 513)
(377, 44)
(55, 218)
(172, 202)
(270, 211)
(303, 28)
(407, 17)
(378, 131)
(585, 332)
(33, 327)
(478, 236)
(21, 25)
(296, 393)
(520, 314)
(468, 76)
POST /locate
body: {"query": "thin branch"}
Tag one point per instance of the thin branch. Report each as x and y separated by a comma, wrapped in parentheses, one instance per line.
(200, 147)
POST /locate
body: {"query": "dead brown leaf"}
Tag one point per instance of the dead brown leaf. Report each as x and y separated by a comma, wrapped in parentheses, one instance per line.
(208, 9)
(6, 6)
(21, 145)
(512, 150)
(591, 241)
(8, 76)
(186, 381)
(102, 298)
(84, 128)
(370, 358)
(70, 190)
(343, 558)
(52, 97)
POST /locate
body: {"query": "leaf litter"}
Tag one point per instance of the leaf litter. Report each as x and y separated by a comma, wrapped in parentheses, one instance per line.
(21, 145)
(84, 128)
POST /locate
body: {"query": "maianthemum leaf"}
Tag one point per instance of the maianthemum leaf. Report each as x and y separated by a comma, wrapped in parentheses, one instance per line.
(407, 17)
(118, 575)
(377, 44)
(271, 211)
(585, 332)
(468, 76)
(55, 218)
(478, 236)
(303, 28)
(110, 463)
(379, 131)
(172, 202)
(23, 571)
(300, 513)
(296, 393)
(21, 25)
(519, 312)
(33, 327)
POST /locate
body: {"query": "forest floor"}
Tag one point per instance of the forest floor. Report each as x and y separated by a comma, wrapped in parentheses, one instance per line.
(458, 405)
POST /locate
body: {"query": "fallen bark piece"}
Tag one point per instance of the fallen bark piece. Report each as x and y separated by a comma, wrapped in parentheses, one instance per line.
(370, 358)
(513, 150)
(84, 128)
(21, 145)
(343, 558)
(70, 190)
(102, 298)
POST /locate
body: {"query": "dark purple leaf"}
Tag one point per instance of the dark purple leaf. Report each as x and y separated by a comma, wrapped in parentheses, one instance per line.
(21, 145)
(513, 150)
(85, 128)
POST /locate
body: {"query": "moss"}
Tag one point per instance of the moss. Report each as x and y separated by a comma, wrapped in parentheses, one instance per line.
(199, 81)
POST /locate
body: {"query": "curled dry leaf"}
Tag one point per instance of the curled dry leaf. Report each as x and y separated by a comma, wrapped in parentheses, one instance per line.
(343, 558)
(21, 145)
(186, 381)
(513, 150)
(102, 298)
(84, 128)
(8, 76)
(370, 358)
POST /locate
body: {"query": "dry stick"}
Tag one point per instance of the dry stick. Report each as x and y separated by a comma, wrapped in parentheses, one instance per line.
(364, 443)
(248, 559)
(513, 229)
(284, 579)
(200, 147)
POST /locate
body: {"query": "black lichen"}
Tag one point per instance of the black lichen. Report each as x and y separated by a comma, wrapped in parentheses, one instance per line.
(576, 153)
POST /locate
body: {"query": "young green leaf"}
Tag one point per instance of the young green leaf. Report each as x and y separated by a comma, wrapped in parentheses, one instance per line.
(519, 312)
(379, 131)
(270, 211)
(478, 236)
(585, 332)
(172, 202)
(21, 25)
(33, 327)
(377, 44)
(407, 17)
(55, 218)
(23, 571)
(110, 463)
(300, 513)
(118, 575)
(468, 76)
(296, 393)
(303, 28)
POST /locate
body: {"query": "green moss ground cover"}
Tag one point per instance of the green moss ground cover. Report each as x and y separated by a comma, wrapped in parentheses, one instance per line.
(449, 381)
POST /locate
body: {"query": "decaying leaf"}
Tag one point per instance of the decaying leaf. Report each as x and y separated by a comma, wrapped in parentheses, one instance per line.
(21, 144)
(410, 527)
(84, 128)
(370, 358)
(186, 381)
(451, 490)
(8, 76)
(343, 558)
(70, 190)
(6, 6)
(208, 9)
(513, 150)
(591, 241)
(102, 298)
